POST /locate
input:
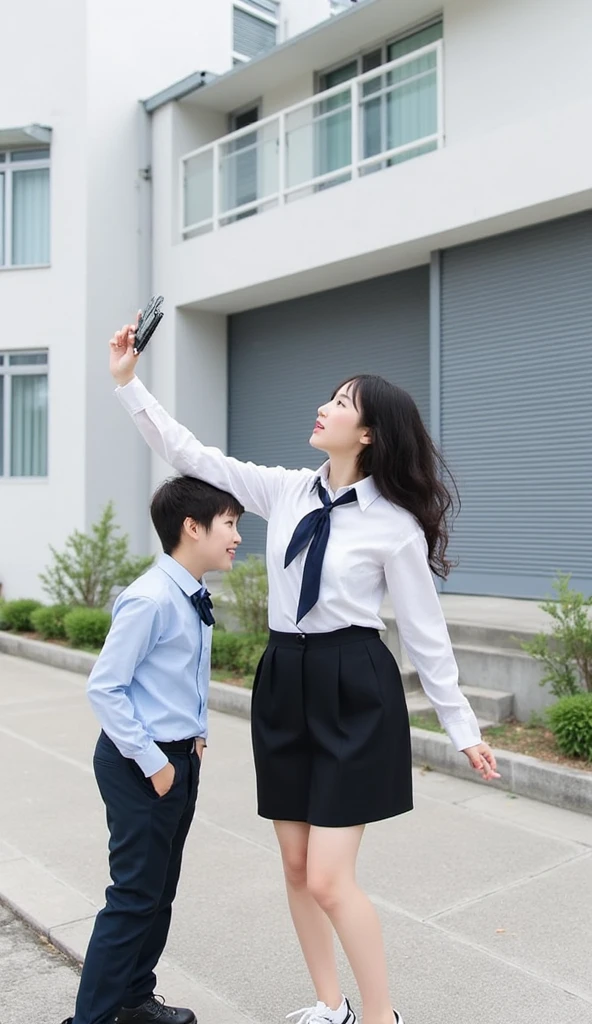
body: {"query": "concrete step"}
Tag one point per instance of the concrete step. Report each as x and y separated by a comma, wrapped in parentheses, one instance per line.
(490, 706)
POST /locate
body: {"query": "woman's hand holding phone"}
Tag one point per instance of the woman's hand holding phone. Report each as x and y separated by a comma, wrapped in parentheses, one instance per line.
(122, 359)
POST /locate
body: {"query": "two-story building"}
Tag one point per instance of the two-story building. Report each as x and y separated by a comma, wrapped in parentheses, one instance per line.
(388, 186)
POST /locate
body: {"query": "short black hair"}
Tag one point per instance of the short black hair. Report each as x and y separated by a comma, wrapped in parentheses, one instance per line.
(183, 497)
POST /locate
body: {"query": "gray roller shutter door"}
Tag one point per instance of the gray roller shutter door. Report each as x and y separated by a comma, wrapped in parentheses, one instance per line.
(285, 360)
(517, 407)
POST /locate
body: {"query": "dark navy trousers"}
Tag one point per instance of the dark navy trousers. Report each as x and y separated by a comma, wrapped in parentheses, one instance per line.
(147, 836)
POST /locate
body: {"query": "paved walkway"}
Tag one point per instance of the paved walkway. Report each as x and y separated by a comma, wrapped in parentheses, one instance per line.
(37, 981)
(486, 900)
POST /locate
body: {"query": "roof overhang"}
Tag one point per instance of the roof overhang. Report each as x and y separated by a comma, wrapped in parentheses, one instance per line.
(327, 43)
(27, 135)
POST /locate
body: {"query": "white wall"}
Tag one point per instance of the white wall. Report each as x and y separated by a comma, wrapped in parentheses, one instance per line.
(134, 49)
(508, 61)
(518, 95)
(46, 308)
(299, 15)
(391, 220)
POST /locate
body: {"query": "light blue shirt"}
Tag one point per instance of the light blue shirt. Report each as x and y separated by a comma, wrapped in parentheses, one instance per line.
(151, 679)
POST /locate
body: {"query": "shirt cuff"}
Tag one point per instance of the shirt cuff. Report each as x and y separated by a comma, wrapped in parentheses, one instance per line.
(464, 733)
(152, 760)
(134, 396)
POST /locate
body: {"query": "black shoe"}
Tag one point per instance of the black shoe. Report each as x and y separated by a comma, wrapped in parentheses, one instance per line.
(68, 1020)
(155, 1012)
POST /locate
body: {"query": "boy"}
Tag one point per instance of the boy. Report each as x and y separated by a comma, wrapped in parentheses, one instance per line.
(149, 690)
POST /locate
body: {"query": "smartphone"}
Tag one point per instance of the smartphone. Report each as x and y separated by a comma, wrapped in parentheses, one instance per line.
(148, 322)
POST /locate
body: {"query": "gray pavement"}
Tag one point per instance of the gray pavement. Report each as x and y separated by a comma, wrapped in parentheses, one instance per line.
(37, 980)
(486, 899)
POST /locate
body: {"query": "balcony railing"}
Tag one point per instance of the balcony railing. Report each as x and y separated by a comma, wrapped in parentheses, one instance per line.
(380, 118)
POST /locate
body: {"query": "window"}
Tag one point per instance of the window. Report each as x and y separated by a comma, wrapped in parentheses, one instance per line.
(24, 207)
(255, 28)
(397, 107)
(23, 414)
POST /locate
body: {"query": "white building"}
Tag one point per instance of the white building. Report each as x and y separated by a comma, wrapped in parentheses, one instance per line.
(404, 188)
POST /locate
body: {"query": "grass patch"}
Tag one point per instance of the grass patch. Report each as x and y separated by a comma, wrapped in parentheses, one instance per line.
(531, 738)
(534, 740)
(426, 720)
(221, 676)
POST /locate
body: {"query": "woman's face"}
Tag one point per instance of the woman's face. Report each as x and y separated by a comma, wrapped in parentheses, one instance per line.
(338, 428)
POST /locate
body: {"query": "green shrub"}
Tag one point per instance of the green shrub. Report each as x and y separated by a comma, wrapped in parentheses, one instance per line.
(238, 653)
(565, 652)
(87, 627)
(49, 622)
(16, 615)
(570, 720)
(247, 583)
(90, 565)
(2, 619)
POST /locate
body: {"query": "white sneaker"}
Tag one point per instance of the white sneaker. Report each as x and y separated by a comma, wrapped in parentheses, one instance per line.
(323, 1014)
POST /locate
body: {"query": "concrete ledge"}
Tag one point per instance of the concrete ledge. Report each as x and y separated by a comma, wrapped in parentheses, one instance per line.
(522, 775)
(525, 776)
(48, 654)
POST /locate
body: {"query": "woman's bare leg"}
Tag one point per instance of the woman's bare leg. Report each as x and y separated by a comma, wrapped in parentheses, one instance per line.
(312, 925)
(331, 873)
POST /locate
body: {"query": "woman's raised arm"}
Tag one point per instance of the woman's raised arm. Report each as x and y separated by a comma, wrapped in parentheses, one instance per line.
(256, 487)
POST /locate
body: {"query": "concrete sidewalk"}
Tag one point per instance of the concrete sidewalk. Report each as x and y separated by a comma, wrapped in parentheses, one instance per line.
(486, 900)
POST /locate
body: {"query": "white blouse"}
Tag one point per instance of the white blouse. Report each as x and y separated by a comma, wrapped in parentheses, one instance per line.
(373, 546)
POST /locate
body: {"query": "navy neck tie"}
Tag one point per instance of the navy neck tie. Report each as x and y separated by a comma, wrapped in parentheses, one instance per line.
(314, 529)
(202, 603)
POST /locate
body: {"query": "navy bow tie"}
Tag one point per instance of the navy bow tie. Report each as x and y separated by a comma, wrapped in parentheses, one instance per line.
(314, 529)
(202, 603)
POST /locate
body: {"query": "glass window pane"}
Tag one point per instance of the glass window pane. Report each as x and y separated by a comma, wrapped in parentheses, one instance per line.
(28, 437)
(20, 155)
(2, 426)
(2, 157)
(30, 217)
(1, 220)
(28, 359)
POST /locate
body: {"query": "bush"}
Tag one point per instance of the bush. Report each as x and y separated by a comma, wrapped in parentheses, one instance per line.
(85, 573)
(238, 653)
(247, 583)
(2, 619)
(570, 720)
(49, 622)
(87, 627)
(16, 615)
(565, 652)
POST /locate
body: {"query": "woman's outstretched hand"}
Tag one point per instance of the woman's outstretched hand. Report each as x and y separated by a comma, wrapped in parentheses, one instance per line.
(122, 361)
(482, 760)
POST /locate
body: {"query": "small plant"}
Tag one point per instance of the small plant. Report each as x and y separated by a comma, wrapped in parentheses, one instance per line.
(49, 621)
(2, 619)
(16, 615)
(248, 585)
(87, 627)
(237, 653)
(90, 565)
(570, 720)
(565, 652)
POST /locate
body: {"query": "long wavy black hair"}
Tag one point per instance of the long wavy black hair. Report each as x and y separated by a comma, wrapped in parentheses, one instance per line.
(406, 465)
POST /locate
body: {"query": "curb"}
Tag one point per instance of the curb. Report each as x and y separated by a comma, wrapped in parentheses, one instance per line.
(569, 788)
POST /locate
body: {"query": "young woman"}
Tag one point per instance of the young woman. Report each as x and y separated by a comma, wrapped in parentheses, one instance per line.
(329, 720)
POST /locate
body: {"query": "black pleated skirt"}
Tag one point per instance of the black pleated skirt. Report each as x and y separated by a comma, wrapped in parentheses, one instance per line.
(330, 729)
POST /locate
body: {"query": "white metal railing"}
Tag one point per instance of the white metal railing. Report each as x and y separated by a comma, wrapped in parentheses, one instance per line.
(373, 121)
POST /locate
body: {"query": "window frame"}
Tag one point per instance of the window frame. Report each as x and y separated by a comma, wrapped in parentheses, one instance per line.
(383, 47)
(6, 372)
(255, 12)
(8, 168)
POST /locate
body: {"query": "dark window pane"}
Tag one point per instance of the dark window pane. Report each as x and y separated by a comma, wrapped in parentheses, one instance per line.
(28, 359)
(28, 437)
